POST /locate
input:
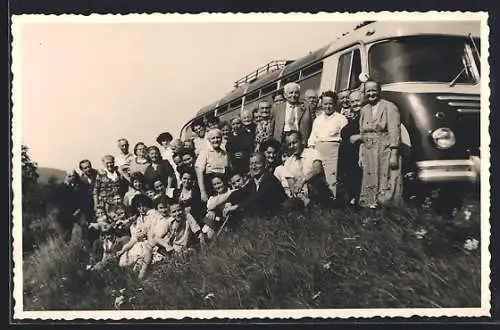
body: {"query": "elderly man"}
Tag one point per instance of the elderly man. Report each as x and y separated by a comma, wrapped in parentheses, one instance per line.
(304, 170)
(344, 103)
(291, 115)
(263, 192)
(312, 102)
(125, 157)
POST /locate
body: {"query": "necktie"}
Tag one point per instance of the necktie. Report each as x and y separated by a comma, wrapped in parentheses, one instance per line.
(291, 118)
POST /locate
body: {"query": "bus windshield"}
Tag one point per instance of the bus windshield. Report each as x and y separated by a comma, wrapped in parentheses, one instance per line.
(426, 59)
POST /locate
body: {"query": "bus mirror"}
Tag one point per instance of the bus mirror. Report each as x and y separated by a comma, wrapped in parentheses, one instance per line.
(363, 77)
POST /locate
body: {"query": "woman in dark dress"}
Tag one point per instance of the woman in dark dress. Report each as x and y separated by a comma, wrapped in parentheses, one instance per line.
(159, 168)
(349, 171)
(188, 195)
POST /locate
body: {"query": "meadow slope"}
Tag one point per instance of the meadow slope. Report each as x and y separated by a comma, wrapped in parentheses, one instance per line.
(326, 259)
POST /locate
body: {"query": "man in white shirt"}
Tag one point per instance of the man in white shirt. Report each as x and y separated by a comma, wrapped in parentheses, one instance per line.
(291, 115)
(200, 140)
(125, 157)
(305, 167)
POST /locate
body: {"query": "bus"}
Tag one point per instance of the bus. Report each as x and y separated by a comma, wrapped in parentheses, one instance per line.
(430, 70)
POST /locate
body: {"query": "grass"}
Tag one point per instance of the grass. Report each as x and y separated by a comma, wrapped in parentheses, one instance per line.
(326, 259)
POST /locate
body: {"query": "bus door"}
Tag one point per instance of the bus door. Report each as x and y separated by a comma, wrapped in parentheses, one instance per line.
(350, 63)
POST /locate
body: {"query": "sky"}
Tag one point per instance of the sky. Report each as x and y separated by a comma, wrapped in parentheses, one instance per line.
(84, 85)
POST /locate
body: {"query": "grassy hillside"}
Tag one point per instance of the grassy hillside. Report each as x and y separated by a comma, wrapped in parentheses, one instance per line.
(325, 259)
(45, 173)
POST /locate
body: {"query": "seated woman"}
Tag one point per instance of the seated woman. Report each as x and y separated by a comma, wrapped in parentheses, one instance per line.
(136, 187)
(159, 168)
(161, 190)
(211, 160)
(271, 150)
(138, 164)
(188, 195)
(137, 252)
(181, 230)
(220, 205)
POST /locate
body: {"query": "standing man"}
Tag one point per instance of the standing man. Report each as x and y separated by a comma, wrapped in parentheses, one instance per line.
(199, 140)
(345, 104)
(125, 157)
(88, 177)
(312, 102)
(68, 199)
(291, 115)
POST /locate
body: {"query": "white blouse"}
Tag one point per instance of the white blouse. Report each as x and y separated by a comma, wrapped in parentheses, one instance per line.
(327, 128)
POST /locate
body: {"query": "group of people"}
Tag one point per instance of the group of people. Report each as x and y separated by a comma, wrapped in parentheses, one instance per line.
(180, 195)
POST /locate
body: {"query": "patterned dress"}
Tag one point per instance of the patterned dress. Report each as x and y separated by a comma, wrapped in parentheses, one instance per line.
(106, 186)
(380, 131)
(264, 131)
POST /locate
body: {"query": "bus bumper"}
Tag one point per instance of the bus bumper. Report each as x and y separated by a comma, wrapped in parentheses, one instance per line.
(454, 170)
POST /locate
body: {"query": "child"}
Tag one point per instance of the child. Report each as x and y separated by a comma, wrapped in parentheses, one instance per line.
(151, 194)
(179, 234)
(238, 180)
(161, 190)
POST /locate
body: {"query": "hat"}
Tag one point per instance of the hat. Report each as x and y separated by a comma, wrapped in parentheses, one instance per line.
(165, 136)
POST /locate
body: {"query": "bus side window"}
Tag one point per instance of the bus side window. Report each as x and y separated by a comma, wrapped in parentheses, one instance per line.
(348, 70)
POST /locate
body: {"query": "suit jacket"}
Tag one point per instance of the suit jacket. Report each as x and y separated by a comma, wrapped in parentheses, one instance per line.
(269, 196)
(304, 118)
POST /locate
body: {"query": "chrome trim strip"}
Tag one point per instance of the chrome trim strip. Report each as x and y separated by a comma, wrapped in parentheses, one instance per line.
(463, 104)
(445, 162)
(439, 176)
(458, 97)
(468, 111)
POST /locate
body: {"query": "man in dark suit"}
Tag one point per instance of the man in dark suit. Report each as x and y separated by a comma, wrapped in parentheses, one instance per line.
(87, 179)
(263, 192)
(291, 115)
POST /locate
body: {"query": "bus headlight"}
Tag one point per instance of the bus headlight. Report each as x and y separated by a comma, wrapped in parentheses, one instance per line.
(444, 138)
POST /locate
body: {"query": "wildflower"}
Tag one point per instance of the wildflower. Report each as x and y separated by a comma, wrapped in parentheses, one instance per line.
(209, 296)
(119, 301)
(467, 214)
(420, 233)
(122, 291)
(327, 265)
(471, 244)
(88, 267)
(358, 247)
(316, 295)
(64, 278)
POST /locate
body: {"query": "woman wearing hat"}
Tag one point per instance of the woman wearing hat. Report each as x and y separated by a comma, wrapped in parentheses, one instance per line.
(164, 140)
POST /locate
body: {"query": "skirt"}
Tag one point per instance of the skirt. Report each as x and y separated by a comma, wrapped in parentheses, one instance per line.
(330, 153)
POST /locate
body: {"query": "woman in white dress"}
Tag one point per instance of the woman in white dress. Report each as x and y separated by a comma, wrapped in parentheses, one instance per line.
(137, 252)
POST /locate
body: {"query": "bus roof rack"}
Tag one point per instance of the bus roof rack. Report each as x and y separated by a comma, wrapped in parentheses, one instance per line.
(269, 67)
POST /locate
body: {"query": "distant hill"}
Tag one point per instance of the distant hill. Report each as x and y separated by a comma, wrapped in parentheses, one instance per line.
(45, 173)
